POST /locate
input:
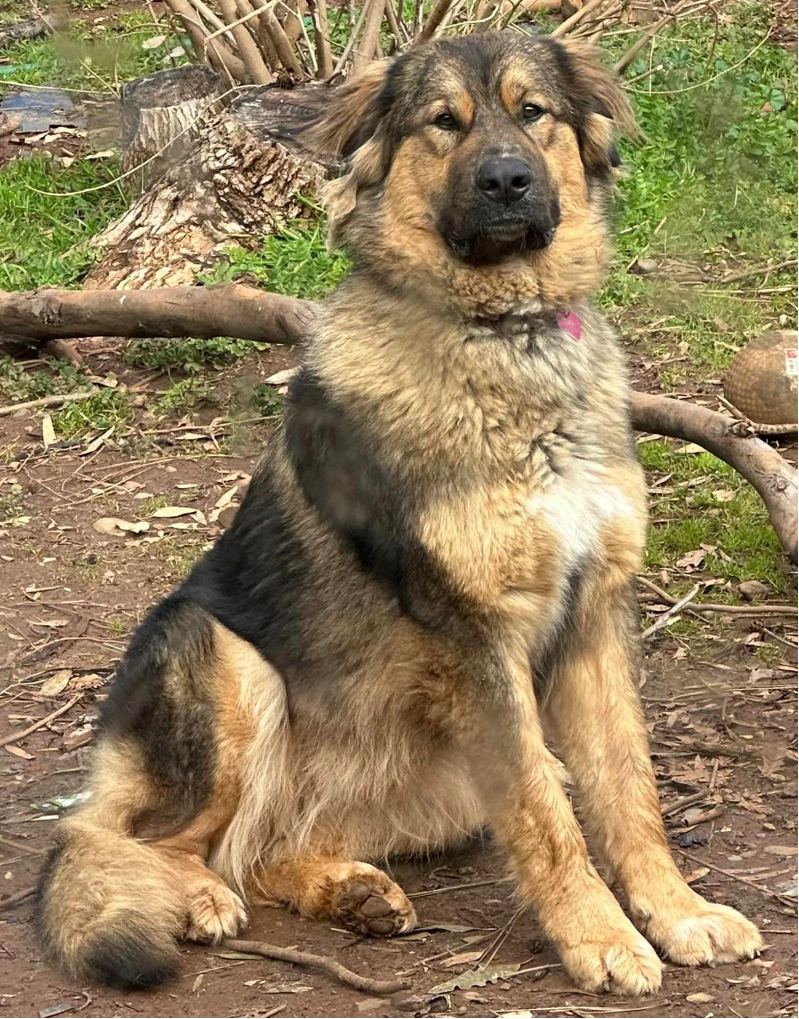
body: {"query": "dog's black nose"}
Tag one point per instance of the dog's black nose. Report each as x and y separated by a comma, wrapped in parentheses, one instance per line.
(504, 180)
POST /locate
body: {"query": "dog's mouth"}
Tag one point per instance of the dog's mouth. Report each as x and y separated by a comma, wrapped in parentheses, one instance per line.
(502, 240)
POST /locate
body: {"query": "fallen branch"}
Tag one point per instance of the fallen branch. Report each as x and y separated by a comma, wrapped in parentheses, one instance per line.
(769, 474)
(669, 613)
(731, 610)
(204, 312)
(56, 400)
(10, 901)
(323, 962)
(22, 733)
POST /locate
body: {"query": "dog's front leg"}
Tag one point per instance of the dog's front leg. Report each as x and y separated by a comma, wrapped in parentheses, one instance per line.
(594, 703)
(529, 812)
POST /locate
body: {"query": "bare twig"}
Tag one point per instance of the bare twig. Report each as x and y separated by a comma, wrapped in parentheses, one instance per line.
(732, 610)
(460, 888)
(220, 55)
(434, 19)
(22, 733)
(257, 70)
(321, 31)
(350, 44)
(667, 615)
(784, 899)
(684, 801)
(56, 400)
(364, 54)
(575, 19)
(323, 962)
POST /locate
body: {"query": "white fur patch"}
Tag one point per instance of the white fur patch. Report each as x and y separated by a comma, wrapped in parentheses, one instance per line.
(577, 506)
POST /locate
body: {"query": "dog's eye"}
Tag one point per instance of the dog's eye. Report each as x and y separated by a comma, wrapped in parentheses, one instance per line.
(446, 122)
(532, 112)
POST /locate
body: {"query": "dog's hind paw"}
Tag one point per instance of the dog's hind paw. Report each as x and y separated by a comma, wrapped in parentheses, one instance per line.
(215, 912)
(371, 903)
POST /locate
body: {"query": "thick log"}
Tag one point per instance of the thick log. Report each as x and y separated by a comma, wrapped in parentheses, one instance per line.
(230, 309)
(161, 114)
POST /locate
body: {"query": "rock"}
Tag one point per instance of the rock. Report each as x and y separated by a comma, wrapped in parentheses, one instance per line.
(752, 589)
(644, 266)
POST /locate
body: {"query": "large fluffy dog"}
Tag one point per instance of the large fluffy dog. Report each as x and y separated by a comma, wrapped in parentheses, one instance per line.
(435, 557)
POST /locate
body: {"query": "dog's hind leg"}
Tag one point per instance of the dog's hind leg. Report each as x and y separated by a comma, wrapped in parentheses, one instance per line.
(111, 902)
(357, 895)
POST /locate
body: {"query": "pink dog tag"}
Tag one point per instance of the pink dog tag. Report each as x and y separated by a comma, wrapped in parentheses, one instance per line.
(569, 322)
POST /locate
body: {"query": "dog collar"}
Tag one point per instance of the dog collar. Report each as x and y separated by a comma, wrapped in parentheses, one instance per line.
(570, 323)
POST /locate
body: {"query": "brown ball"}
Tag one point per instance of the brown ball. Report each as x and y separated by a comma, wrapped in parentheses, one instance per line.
(761, 381)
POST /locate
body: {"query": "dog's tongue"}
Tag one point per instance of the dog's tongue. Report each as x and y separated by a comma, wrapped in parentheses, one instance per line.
(569, 322)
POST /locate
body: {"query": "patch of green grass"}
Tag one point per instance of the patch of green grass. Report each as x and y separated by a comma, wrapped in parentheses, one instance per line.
(186, 394)
(118, 626)
(149, 506)
(706, 502)
(267, 400)
(179, 552)
(294, 262)
(20, 384)
(189, 355)
(715, 179)
(42, 239)
(98, 413)
(98, 58)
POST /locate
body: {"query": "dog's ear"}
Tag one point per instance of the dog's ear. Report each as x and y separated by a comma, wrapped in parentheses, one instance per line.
(603, 108)
(350, 129)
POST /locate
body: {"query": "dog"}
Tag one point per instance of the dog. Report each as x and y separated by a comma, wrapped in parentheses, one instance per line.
(434, 560)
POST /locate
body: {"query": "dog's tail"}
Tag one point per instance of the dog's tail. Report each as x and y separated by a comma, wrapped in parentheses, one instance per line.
(108, 909)
(109, 905)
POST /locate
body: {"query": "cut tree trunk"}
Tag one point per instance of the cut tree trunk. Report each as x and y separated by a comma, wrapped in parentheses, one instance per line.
(235, 310)
(243, 177)
(161, 114)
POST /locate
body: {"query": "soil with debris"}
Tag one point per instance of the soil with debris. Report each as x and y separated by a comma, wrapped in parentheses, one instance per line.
(723, 740)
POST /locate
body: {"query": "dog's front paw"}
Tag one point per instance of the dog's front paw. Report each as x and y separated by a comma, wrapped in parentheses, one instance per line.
(619, 960)
(371, 903)
(693, 932)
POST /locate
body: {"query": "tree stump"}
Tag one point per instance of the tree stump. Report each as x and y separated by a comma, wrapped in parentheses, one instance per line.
(159, 112)
(244, 175)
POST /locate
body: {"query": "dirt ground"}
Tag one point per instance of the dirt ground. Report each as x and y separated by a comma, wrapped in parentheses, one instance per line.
(723, 739)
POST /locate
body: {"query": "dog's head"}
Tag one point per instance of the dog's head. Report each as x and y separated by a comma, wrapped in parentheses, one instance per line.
(478, 163)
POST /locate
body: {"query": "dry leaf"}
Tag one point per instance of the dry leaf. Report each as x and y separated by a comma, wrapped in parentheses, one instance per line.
(173, 511)
(119, 527)
(691, 447)
(95, 444)
(18, 752)
(153, 42)
(53, 686)
(462, 958)
(105, 154)
(226, 498)
(476, 978)
(700, 998)
(723, 495)
(48, 432)
(283, 377)
(696, 875)
(692, 559)
(780, 850)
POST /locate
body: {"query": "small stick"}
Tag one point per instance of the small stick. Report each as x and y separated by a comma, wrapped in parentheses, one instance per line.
(459, 888)
(684, 801)
(323, 962)
(56, 400)
(784, 899)
(667, 615)
(14, 900)
(201, 7)
(42, 721)
(345, 53)
(706, 815)
(575, 19)
(733, 610)
(364, 54)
